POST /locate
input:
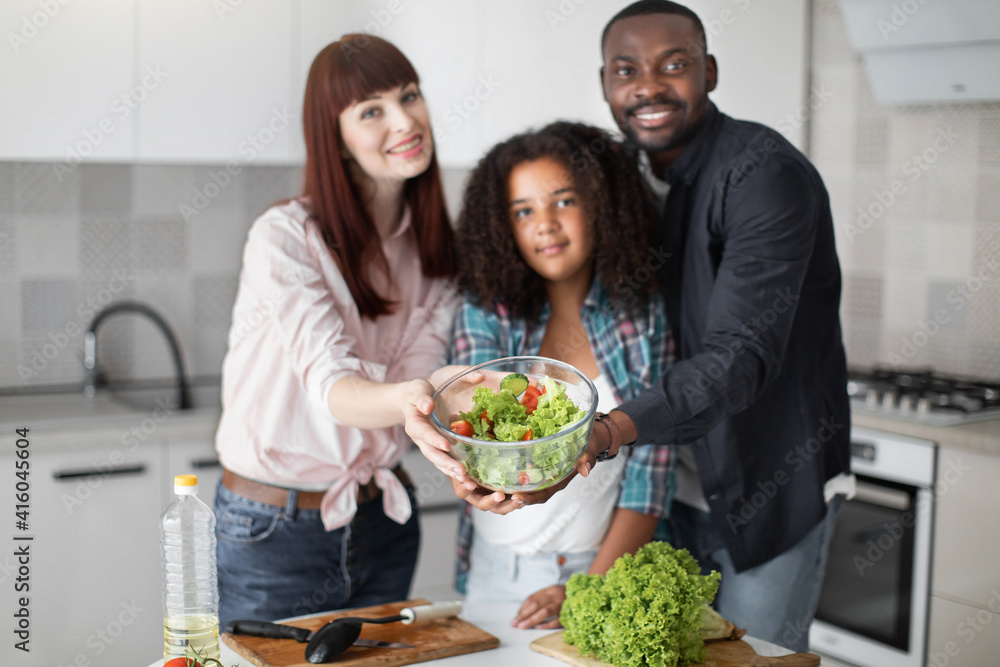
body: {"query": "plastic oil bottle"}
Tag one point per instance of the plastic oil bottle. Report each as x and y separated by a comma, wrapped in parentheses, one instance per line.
(190, 583)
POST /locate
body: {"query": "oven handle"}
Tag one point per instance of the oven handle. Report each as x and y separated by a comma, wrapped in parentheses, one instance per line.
(880, 495)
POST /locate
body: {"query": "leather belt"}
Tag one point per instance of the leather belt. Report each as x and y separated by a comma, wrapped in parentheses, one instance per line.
(307, 500)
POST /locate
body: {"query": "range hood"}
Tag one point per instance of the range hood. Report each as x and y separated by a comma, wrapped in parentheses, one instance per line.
(927, 51)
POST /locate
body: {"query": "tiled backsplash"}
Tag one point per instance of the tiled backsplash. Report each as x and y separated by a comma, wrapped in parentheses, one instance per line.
(916, 201)
(71, 243)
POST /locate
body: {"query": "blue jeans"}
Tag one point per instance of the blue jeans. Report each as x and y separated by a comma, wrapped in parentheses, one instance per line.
(497, 574)
(276, 562)
(775, 601)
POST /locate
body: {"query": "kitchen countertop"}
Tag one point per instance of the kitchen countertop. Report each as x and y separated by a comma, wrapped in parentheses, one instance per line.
(514, 649)
(72, 421)
(60, 413)
(982, 437)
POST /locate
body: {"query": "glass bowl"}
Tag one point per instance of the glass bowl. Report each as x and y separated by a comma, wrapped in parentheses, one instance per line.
(529, 465)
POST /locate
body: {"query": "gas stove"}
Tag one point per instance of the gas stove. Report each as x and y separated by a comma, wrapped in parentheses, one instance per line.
(923, 396)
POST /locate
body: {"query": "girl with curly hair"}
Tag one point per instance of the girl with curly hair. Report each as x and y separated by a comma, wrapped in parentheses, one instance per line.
(557, 256)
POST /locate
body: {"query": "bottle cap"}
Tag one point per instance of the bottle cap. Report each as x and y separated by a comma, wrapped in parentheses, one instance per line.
(186, 484)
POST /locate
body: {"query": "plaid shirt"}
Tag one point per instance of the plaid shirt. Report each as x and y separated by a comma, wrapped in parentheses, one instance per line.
(631, 352)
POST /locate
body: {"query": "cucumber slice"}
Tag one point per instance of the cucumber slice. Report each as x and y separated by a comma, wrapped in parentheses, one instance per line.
(515, 383)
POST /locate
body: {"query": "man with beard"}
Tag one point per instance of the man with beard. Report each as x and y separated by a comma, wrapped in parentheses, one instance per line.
(758, 394)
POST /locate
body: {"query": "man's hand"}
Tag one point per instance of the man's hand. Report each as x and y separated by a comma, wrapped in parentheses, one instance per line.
(595, 446)
(600, 440)
(541, 610)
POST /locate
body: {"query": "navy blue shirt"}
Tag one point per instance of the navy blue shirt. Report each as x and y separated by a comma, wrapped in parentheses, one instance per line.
(752, 288)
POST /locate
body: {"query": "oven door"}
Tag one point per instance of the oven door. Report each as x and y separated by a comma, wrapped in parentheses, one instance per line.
(873, 605)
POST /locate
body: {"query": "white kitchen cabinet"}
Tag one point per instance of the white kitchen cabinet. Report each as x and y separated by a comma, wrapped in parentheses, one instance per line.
(966, 538)
(319, 23)
(763, 59)
(435, 575)
(545, 60)
(67, 69)
(443, 41)
(963, 636)
(228, 72)
(94, 562)
(192, 81)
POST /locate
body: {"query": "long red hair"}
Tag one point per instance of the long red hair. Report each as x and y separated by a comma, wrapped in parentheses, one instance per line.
(343, 73)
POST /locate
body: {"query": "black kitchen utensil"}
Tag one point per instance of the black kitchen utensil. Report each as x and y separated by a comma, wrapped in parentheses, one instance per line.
(336, 636)
(279, 631)
(325, 644)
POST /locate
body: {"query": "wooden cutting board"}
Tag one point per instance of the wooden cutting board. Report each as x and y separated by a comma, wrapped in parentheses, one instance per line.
(439, 638)
(735, 653)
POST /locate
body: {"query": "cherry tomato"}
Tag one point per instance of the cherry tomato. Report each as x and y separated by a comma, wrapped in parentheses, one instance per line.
(462, 427)
(526, 436)
(522, 478)
(530, 399)
(182, 662)
(485, 415)
(543, 388)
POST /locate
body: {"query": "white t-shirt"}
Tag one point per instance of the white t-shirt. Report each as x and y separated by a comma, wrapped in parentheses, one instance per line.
(572, 521)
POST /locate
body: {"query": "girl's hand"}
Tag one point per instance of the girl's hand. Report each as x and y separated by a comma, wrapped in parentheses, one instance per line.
(539, 497)
(445, 373)
(484, 499)
(541, 610)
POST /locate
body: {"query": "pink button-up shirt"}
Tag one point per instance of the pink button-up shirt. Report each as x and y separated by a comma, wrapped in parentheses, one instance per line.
(295, 332)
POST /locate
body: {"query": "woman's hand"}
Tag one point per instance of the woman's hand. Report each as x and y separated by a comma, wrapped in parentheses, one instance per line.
(417, 407)
(541, 610)
(416, 415)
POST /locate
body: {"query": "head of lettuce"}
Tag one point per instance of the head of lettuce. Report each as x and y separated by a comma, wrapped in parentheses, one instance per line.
(649, 609)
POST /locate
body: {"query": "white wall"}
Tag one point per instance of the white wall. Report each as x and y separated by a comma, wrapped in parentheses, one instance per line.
(489, 69)
(542, 59)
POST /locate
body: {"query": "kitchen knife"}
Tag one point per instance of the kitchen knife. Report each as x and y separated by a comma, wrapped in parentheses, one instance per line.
(280, 631)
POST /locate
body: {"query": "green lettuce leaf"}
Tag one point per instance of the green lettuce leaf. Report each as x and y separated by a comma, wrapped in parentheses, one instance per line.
(645, 611)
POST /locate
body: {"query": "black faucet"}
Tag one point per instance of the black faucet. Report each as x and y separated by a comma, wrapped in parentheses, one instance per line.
(90, 348)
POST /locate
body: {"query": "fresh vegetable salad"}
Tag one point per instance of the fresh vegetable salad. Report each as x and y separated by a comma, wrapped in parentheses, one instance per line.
(519, 411)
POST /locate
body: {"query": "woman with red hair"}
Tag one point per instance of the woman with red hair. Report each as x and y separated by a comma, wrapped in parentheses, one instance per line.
(342, 316)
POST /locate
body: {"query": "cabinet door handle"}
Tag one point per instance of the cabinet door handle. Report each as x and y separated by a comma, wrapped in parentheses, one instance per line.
(73, 474)
(205, 463)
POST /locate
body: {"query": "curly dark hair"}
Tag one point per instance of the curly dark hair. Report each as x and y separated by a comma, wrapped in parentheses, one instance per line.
(612, 194)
